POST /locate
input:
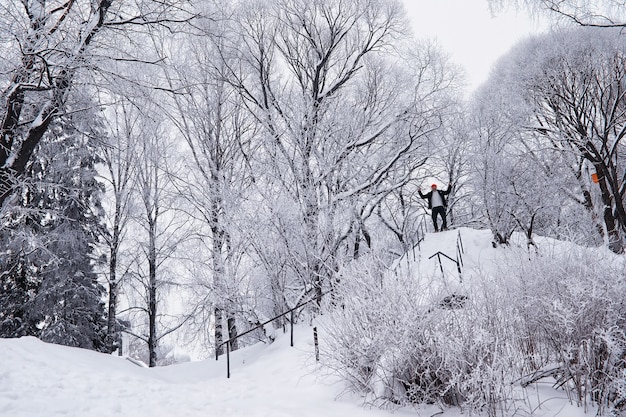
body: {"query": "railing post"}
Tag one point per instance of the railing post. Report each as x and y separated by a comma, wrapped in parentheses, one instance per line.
(228, 341)
(459, 254)
(228, 359)
(440, 264)
(291, 319)
(456, 261)
(317, 346)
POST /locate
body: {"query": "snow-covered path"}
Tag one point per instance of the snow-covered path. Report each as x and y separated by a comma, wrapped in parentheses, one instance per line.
(43, 380)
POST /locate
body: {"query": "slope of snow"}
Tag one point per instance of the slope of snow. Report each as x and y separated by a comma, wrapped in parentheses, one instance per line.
(478, 258)
(43, 380)
(39, 379)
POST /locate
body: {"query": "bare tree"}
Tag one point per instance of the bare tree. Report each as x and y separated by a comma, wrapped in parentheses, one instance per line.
(52, 41)
(208, 114)
(579, 104)
(493, 175)
(341, 126)
(562, 97)
(603, 13)
(159, 234)
(118, 155)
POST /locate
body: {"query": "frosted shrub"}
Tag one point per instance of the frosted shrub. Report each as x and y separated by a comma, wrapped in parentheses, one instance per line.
(393, 340)
(573, 306)
(604, 358)
(559, 314)
(359, 330)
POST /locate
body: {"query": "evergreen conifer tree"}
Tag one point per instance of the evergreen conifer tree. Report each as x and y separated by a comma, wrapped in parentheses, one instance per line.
(48, 287)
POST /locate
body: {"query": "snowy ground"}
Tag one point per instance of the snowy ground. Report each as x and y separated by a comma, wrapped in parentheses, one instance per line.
(43, 380)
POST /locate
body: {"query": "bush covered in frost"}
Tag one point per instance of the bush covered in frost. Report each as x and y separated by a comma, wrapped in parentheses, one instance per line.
(558, 316)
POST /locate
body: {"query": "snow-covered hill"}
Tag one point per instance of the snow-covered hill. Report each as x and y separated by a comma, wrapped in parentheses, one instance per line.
(43, 380)
(479, 258)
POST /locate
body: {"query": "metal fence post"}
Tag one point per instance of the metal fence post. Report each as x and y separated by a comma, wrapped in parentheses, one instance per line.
(440, 264)
(228, 342)
(291, 318)
(317, 347)
(228, 359)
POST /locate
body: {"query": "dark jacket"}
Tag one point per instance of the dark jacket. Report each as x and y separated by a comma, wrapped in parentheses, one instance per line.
(429, 196)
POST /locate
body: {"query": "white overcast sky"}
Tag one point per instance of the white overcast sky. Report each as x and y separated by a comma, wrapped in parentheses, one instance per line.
(468, 31)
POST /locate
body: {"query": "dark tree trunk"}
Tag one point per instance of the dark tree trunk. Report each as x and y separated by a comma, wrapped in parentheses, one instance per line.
(612, 224)
(152, 300)
(15, 154)
(232, 332)
(219, 336)
(112, 329)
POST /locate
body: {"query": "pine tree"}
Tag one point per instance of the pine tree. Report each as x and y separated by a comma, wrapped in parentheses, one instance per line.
(49, 287)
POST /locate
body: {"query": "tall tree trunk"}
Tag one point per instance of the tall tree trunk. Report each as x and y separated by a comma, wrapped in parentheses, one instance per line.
(112, 331)
(152, 294)
(232, 331)
(112, 328)
(589, 206)
(220, 244)
(612, 224)
(219, 336)
(314, 258)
